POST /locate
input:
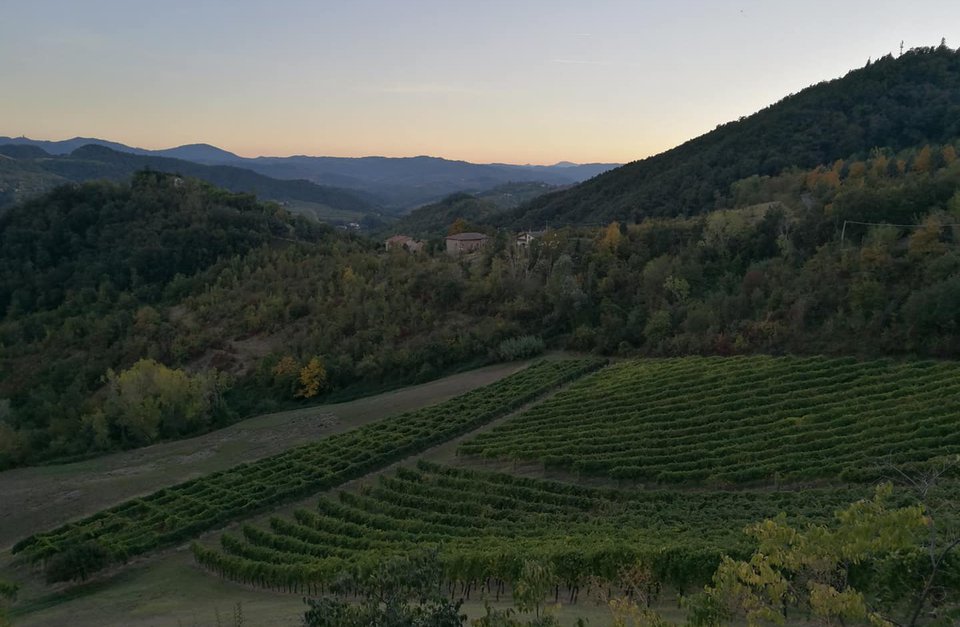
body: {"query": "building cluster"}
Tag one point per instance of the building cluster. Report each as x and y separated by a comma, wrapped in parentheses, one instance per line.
(459, 243)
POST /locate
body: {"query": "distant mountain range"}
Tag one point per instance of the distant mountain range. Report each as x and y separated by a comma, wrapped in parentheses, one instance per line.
(396, 184)
(27, 170)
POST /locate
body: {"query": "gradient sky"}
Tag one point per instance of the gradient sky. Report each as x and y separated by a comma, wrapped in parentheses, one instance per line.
(511, 81)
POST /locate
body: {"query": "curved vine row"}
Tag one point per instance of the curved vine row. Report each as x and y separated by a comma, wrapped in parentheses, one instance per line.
(485, 525)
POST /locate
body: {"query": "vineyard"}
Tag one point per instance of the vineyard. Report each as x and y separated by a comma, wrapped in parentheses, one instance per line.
(739, 421)
(485, 525)
(188, 509)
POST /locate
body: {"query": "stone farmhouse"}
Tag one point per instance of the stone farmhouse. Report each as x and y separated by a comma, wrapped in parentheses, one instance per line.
(463, 243)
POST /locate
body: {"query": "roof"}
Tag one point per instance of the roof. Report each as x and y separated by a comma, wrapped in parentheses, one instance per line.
(399, 238)
(467, 236)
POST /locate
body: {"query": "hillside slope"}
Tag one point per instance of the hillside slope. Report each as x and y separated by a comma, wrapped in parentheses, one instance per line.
(892, 103)
(434, 219)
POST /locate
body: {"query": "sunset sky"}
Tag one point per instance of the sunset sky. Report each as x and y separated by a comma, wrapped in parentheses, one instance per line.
(511, 81)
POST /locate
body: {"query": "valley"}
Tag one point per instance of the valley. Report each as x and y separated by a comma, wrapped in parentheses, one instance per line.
(717, 385)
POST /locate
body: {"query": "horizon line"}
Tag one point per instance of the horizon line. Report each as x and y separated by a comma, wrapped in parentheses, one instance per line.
(317, 156)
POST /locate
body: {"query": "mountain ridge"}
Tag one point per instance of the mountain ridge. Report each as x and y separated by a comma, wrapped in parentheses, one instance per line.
(399, 183)
(892, 102)
(27, 172)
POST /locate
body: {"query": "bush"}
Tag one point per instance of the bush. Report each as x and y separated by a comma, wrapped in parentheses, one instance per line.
(520, 347)
(77, 562)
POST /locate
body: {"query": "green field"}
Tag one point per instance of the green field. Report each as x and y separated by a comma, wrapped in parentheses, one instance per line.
(744, 420)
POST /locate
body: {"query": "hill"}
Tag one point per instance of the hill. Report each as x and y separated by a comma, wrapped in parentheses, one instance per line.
(31, 170)
(407, 182)
(894, 103)
(399, 183)
(66, 146)
(434, 219)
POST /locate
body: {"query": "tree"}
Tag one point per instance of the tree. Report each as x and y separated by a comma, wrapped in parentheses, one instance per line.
(77, 562)
(811, 569)
(150, 400)
(8, 592)
(611, 237)
(535, 581)
(459, 226)
(562, 290)
(923, 162)
(948, 154)
(285, 374)
(631, 606)
(938, 548)
(313, 378)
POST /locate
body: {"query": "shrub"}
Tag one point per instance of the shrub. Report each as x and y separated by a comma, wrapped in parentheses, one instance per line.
(520, 347)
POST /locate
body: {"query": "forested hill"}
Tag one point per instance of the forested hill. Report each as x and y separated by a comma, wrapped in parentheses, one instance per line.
(29, 170)
(893, 103)
(434, 219)
(60, 250)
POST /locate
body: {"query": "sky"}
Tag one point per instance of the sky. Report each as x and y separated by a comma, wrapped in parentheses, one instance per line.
(521, 81)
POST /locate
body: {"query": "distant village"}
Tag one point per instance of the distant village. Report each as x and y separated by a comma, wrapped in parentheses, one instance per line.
(459, 243)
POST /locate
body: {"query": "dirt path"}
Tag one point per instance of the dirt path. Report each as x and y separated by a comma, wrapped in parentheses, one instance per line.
(43, 497)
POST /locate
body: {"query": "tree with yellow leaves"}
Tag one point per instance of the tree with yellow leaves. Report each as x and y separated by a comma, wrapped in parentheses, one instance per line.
(923, 162)
(611, 237)
(925, 241)
(313, 378)
(459, 226)
(949, 154)
(809, 569)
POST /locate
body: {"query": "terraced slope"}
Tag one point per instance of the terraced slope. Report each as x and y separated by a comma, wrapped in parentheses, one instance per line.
(486, 524)
(730, 421)
(185, 510)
